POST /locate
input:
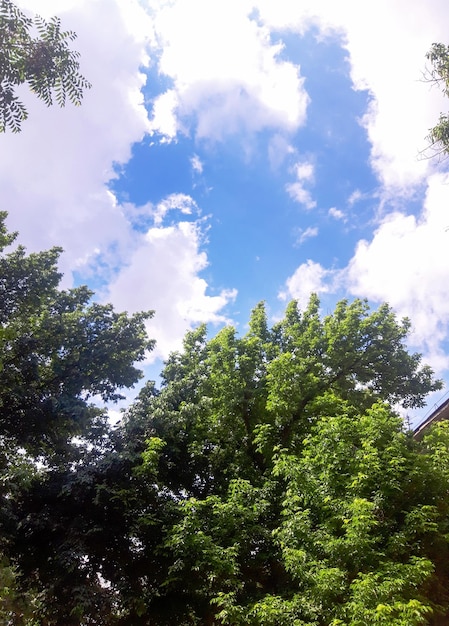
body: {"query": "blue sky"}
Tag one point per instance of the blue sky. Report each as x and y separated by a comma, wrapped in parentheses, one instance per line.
(237, 151)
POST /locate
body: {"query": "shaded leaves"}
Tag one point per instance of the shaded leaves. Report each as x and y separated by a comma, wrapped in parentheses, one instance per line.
(46, 63)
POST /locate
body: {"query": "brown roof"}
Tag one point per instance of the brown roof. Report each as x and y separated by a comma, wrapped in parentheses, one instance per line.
(439, 414)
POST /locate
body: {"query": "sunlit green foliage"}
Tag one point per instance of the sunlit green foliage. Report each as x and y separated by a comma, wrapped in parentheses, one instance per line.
(268, 482)
(299, 497)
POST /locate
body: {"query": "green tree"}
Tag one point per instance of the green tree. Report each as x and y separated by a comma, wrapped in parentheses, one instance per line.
(63, 359)
(297, 497)
(267, 482)
(59, 351)
(438, 74)
(35, 52)
(364, 522)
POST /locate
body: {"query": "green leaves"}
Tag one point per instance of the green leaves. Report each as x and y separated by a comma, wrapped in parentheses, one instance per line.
(45, 63)
(358, 512)
(297, 492)
(58, 351)
(438, 74)
(267, 482)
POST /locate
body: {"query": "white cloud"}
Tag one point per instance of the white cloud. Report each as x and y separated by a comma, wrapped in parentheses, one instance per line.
(301, 195)
(337, 214)
(163, 274)
(164, 118)
(308, 233)
(227, 75)
(304, 172)
(175, 202)
(54, 175)
(279, 149)
(355, 197)
(247, 87)
(308, 278)
(197, 165)
(406, 264)
(387, 42)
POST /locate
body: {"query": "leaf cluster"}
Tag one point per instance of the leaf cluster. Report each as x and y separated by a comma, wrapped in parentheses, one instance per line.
(59, 351)
(438, 74)
(35, 52)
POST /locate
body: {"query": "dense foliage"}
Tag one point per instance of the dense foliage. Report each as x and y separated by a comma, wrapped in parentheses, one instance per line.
(61, 357)
(267, 482)
(35, 52)
(298, 497)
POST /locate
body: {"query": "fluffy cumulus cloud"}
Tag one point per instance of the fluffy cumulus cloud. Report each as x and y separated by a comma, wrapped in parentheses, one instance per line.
(406, 264)
(405, 260)
(309, 277)
(227, 76)
(55, 178)
(226, 73)
(164, 271)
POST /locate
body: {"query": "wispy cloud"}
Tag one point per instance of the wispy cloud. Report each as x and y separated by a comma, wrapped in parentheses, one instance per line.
(307, 233)
(355, 197)
(337, 214)
(304, 173)
(181, 202)
(197, 165)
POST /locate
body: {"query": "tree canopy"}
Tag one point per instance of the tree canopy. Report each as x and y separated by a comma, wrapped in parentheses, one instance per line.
(297, 495)
(62, 358)
(35, 52)
(268, 481)
(59, 351)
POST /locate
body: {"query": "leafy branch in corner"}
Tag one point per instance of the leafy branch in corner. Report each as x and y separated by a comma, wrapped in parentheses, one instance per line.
(45, 62)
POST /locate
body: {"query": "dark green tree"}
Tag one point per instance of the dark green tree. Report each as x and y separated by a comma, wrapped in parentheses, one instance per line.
(63, 359)
(59, 352)
(35, 52)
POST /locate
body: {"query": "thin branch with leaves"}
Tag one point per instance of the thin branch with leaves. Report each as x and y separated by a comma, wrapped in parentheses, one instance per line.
(45, 62)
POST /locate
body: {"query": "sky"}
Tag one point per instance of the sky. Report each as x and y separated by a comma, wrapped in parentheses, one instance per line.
(233, 151)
